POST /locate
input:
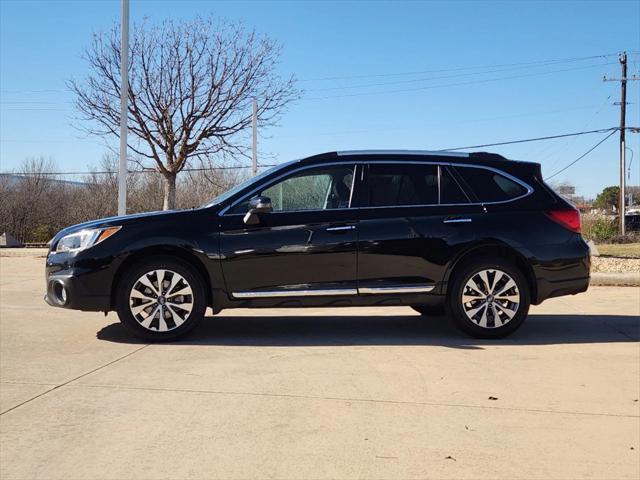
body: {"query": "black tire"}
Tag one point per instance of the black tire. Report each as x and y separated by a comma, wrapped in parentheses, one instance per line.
(430, 310)
(501, 327)
(173, 329)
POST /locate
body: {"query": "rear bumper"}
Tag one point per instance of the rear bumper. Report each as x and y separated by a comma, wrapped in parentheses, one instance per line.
(549, 289)
(561, 270)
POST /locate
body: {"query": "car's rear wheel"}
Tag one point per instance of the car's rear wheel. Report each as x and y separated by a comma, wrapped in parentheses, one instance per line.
(489, 298)
(160, 298)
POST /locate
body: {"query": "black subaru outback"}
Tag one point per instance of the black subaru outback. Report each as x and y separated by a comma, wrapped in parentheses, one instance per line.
(474, 235)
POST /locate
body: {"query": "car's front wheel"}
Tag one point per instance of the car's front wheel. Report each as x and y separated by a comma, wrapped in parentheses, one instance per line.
(160, 298)
(489, 298)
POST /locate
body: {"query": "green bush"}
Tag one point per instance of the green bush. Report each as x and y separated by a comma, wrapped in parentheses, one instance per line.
(599, 228)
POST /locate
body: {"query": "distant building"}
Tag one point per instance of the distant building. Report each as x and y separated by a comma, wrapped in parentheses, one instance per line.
(15, 178)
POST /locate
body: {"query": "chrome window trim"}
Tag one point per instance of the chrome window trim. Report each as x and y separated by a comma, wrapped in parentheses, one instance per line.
(439, 185)
(458, 220)
(355, 163)
(353, 183)
(295, 293)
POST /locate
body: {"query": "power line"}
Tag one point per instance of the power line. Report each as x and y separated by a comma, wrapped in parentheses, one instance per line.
(33, 109)
(108, 172)
(472, 82)
(458, 69)
(510, 142)
(440, 77)
(382, 92)
(583, 155)
(536, 139)
(585, 126)
(502, 67)
(342, 132)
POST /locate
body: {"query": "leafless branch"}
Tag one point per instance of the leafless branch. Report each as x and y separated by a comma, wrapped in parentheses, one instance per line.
(190, 90)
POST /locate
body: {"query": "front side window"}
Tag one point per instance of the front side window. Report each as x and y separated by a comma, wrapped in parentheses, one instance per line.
(397, 184)
(312, 189)
(490, 186)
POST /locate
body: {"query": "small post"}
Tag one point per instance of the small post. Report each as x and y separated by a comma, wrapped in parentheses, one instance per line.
(254, 146)
(124, 97)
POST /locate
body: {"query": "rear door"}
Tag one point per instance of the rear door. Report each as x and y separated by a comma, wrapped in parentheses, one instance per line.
(417, 217)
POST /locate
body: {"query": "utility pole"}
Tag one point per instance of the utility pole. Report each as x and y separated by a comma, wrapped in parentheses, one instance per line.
(623, 128)
(254, 146)
(623, 151)
(124, 97)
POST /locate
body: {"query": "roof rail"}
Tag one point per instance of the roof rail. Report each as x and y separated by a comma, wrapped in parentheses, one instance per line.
(439, 153)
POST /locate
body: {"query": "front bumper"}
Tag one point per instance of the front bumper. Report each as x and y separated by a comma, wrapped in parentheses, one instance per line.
(68, 291)
(78, 282)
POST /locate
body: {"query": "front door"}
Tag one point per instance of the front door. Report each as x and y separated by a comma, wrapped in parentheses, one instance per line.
(305, 247)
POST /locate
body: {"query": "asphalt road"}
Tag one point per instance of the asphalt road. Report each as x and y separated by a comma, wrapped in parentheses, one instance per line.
(323, 394)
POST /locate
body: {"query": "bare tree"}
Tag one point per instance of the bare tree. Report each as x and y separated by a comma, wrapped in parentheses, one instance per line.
(190, 90)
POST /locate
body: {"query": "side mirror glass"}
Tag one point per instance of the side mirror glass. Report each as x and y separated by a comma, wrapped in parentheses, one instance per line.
(257, 205)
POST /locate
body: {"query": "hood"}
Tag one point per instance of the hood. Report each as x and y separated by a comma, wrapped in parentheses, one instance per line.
(118, 220)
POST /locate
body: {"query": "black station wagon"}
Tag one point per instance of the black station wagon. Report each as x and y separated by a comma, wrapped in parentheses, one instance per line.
(474, 235)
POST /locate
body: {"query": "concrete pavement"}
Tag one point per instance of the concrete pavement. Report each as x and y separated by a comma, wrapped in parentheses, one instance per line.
(335, 393)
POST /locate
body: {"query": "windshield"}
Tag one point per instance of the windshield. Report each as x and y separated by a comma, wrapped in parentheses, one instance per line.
(230, 193)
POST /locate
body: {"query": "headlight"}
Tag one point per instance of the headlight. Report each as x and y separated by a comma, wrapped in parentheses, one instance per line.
(75, 242)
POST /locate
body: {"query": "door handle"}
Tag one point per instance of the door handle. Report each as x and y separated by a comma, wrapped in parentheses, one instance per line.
(341, 228)
(457, 220)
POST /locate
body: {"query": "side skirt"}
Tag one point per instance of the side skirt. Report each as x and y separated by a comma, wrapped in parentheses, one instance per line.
(388, 290)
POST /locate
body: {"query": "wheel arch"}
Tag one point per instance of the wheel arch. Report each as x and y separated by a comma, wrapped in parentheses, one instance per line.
(172, 251)
(495, 248)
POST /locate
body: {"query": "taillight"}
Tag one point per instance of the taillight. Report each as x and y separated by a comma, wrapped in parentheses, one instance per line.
(568, 218)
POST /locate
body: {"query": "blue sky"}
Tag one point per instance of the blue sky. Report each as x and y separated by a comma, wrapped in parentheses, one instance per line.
(373, 47)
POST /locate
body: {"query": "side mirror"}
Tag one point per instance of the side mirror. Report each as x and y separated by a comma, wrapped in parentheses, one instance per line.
(257, 205)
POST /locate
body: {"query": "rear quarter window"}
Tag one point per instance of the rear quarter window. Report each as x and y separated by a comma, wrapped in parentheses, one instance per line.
(490, 186)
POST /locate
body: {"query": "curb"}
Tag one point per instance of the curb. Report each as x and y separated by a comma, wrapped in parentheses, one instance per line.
(610, 279)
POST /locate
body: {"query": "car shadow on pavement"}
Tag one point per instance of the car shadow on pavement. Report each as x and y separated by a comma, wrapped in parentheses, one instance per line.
(314, 330)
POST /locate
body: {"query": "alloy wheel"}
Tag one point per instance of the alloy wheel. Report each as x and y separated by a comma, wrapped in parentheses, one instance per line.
(490, 298)
(161, 300)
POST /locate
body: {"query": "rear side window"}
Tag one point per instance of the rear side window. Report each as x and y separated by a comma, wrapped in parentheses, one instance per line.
(490, 186)
(397, 184)
(450, 191)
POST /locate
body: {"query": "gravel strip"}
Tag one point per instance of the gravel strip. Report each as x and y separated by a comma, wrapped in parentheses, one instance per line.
(614, 264)
(610, 279)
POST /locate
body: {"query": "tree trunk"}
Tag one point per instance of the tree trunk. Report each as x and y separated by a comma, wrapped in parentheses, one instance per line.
(169, 192)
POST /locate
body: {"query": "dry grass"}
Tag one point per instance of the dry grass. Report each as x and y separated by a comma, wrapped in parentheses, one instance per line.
(631, 250)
